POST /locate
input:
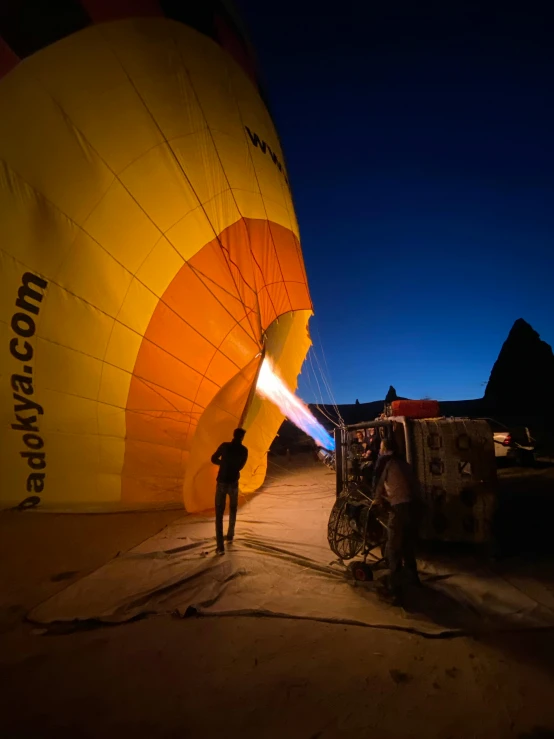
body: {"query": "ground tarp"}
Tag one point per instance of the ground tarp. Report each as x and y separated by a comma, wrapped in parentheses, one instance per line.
(280, 565)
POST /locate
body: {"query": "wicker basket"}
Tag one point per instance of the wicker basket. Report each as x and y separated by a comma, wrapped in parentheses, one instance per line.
(455, 465)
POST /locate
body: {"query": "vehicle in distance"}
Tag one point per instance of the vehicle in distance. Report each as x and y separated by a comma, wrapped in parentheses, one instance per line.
(516, 445)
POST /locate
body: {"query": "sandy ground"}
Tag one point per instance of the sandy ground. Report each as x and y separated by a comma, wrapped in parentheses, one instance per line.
(250, 677)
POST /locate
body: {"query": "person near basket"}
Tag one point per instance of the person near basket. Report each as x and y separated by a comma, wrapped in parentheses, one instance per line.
(231, 457)
(369, 470)
(358, 449)
(397, 487)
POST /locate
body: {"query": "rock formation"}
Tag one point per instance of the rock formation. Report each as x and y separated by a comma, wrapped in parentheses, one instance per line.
(391, 395)
(522, 378)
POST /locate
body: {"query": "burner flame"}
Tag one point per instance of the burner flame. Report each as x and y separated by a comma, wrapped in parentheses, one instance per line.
(271, 386)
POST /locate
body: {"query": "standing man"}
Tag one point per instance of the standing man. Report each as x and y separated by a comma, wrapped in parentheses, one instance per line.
(397, 486)
(374, 444)
(359, 455)
(382, 458)
(231, 457)
(369, 472)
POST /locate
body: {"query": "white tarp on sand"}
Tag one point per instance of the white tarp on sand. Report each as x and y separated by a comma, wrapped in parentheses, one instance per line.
(280, 565)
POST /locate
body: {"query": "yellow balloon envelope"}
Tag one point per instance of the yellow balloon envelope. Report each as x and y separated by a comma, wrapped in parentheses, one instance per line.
(149, 256)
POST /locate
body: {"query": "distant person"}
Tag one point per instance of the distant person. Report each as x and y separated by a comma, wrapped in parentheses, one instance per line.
(397, 487)
(356, 449)
(361, 457)
(231, 457)
(370, 457)
(359, 442)
(374, 444)
(383, 456)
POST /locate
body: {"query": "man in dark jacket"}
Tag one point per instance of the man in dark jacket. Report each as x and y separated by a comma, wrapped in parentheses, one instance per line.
(231, 457)
(369, 469)
(397, 486)
(373, 444)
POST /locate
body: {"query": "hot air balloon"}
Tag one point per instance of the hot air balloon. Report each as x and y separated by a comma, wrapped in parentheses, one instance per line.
(149, 253)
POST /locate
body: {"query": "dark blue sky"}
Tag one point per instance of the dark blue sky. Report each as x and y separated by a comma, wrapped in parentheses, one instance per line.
(420, 149)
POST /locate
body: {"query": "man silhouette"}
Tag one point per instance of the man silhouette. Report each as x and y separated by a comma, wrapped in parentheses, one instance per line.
(230, 457)
(397, 486)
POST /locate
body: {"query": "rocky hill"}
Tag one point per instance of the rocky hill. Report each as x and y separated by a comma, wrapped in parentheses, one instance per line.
(522, 378)
(520, 390)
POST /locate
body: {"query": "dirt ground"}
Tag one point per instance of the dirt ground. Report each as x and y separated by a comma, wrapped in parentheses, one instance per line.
(250, 677)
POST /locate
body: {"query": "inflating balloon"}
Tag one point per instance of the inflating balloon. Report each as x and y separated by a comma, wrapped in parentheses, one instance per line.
(149, 253)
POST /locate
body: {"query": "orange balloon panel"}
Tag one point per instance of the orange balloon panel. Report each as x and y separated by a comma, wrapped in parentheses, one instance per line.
(149, 254)
(198, 341)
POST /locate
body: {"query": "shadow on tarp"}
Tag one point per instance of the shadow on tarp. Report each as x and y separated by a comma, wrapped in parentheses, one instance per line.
(524, 521)
(255, 580)
(281, 566)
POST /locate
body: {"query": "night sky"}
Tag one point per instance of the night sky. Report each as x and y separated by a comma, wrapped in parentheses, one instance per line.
(419, 140)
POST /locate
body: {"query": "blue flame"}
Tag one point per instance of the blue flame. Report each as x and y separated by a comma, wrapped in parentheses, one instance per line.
(272, 387)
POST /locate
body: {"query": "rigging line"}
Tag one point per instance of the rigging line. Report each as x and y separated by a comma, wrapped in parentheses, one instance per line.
(290, 471)
(143, 412)
(117, 177)
(223, 289)
(248, 313)
(214, 355)
(114, 405)
(111, 318)
(229, 79)
(176, 409)
(189, 77)
(326, 384)
(201, 108)
(329, 418)
(325, 360)
(187, 72)
(65, 114)
(287, 189)
(109, 339)
(162, 412)
(306, 374)
(279, 282)
(324, 412)
(310, 359)
(328, 387)
(310, 373)
(133, 276)
(323, 376)
(321, 394)
(329, 390)
(294, 227)
(323, 409)
(184, 421)
(177, 161)
(121, 369)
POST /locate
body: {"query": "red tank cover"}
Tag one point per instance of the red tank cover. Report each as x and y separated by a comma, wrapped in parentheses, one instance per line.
(415, 408)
